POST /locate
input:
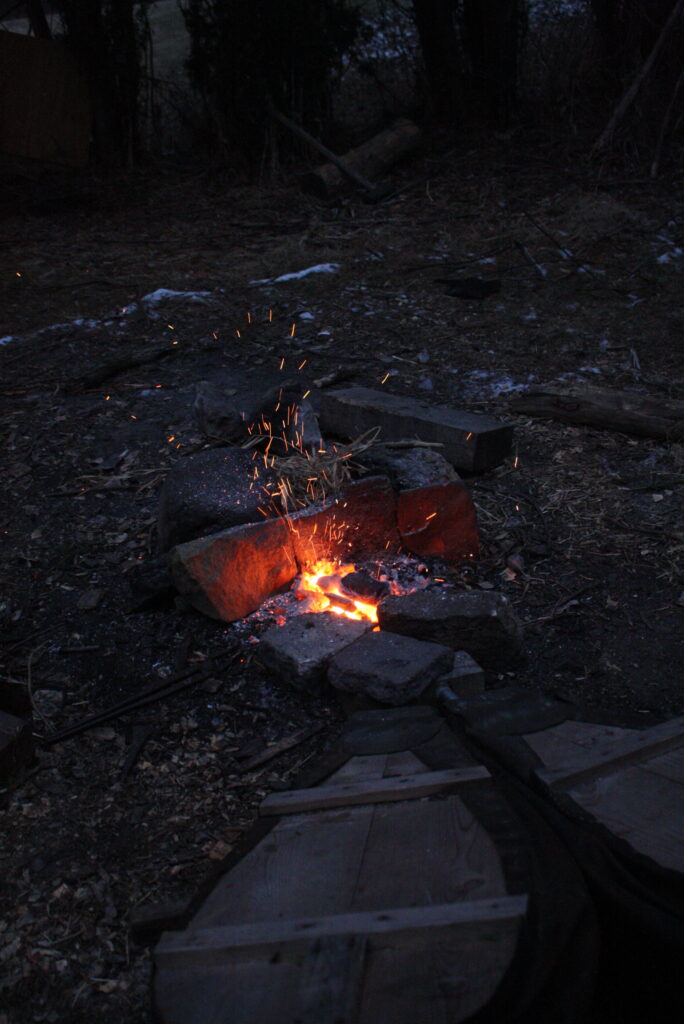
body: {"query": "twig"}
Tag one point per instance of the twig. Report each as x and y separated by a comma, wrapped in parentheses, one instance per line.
(286, 743)
(562, 605)
(408, 443)
(158, 691)
(567, 253)
(29, 684)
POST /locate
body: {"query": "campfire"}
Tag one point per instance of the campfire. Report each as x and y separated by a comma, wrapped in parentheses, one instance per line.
(321, 588)
(311, 493)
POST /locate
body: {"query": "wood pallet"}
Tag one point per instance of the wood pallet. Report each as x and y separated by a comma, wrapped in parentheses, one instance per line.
(385, 892)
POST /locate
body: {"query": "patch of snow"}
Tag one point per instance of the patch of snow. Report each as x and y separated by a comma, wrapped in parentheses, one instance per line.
(426, 384)
(6, 340)
(668, 257)
(306, 316)
(161, 294)
(319, 268)
(530, 316)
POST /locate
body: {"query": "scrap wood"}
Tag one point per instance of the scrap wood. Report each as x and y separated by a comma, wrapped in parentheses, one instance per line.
(624, 411)
(280, 746)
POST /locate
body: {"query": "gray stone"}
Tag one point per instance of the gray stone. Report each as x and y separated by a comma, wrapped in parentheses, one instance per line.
(483, 624)
(466, 677)
(469, 441)
(225, 415)
(390, 668)
(300, 650)
(303, 432)
(211, 491)
(409, 467)
(229, 574)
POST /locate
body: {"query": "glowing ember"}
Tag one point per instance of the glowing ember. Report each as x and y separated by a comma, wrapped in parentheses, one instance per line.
(321, 587)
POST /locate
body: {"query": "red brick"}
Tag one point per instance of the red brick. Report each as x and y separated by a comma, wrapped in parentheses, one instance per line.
(361, 522)
(228, 574)
(438, 521)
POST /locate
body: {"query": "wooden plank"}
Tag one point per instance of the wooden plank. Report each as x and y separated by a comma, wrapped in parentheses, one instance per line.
(252, 992)
(468, 440)
(212, 945)
(441, 978)
(561, 744)
(641, 807)
(306, 865)
(371, 766)
(331, 978)
(670, 765)
(424, 852)
(402, 787)
(613, 756)
(404, 762)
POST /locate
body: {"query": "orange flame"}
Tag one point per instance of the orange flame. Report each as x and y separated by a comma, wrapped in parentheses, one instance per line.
(320, 585)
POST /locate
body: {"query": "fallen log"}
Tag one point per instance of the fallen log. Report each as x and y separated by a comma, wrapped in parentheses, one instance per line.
(622, 411)
(368, 161)
(112, 367)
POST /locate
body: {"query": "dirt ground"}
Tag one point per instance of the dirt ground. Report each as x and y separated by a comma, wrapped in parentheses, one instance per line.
(582, 528)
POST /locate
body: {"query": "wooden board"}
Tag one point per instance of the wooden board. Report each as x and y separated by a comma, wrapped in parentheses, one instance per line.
(377, 895)
(631, 781)
(616, 753)
(371, 791)
(211, 945)
(406, 980)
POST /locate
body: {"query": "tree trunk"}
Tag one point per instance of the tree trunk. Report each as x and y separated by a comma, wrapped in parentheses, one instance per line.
(436, 24)
(492, 32)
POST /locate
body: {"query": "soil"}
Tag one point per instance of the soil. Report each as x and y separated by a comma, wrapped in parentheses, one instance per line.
(581, 528)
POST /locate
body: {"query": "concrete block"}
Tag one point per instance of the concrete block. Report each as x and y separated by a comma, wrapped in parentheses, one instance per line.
(481, 623)
(389, 668)
(469, 441)
(299, 651)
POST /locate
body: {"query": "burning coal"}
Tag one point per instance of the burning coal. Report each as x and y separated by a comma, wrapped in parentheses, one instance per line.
(323, 589)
